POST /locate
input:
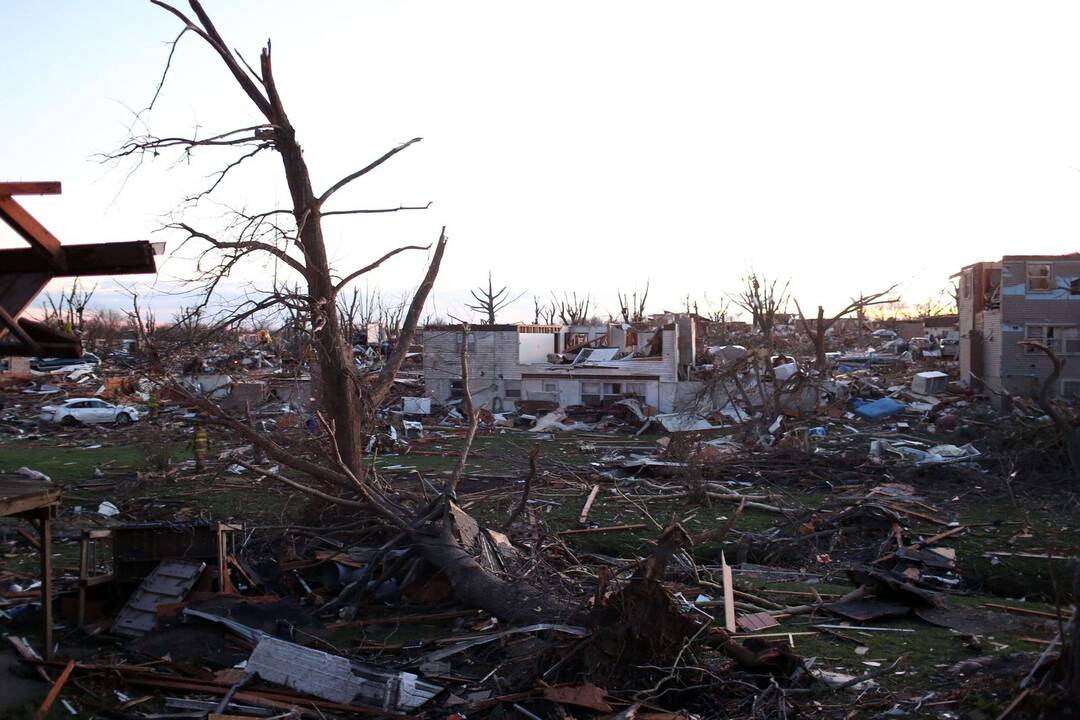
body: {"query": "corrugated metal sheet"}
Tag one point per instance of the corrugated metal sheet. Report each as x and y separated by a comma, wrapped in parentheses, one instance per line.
(170, 582)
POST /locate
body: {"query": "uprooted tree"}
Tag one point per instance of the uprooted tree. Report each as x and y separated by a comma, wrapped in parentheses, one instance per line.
(292, 237)
(816, 332)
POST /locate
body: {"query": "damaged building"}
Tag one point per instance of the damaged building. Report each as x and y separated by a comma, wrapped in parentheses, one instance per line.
(565, 365)
(1022, 297)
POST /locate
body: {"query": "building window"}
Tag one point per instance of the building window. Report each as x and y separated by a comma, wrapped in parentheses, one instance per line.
(512, 389)
(965, 283)
(471, 344)
(1070, 389)
(1062, 339)
(634, 390)
(591, 393)
(551, 387)
(456, 392)
(1038, 277)
(613, 388)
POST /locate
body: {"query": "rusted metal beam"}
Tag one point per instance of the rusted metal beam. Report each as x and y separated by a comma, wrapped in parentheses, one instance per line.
(41, 240)
(33, 187)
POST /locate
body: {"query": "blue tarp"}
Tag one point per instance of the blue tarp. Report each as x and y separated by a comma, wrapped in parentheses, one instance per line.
(877, 409)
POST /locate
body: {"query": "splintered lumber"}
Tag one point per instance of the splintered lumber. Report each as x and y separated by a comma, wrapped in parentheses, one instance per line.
(55, 692)
(407, 619)
(30, 655)
(729, 596)
(609, 528)
(588, 505)
(1026, 611)
(942, 535)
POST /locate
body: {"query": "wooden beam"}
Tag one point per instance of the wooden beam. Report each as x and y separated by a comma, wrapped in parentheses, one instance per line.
(45, 537)
(55, 692)
(13, 325)
(32, 187)
(14, 505)
(40, 239)
(114, 258)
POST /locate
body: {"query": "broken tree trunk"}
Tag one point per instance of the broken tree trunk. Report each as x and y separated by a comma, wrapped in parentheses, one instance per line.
(1067, 430)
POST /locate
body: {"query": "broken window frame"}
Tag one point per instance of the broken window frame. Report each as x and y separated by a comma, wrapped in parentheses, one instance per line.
(1047, 279)
(512, 389)
(1070, 389)
(1056, 336)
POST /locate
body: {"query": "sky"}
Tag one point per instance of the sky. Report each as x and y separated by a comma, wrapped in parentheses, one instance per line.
(576, 146)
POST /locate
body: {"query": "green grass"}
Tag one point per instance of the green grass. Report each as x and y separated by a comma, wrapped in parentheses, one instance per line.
(69, 464)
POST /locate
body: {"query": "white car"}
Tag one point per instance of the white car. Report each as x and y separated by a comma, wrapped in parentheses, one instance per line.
(88, 411)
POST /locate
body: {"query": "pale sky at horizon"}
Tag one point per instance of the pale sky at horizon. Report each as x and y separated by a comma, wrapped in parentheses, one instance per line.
(587, 146)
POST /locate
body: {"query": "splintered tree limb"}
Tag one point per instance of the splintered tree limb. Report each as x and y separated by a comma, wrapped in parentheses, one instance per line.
(408, 329)
(470, 415)
(364, 170)
(368, 268)
(534, 454)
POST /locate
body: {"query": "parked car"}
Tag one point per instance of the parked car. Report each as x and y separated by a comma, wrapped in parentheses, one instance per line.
(88, 411)
(48, 364)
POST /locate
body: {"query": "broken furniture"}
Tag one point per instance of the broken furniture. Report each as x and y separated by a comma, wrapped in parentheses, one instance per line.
(139, 548)
(36, 501)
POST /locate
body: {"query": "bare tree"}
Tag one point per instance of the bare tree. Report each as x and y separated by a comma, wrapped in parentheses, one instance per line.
(633, 309)
(67, 310)
(543, 312)
(187, 324)
(573, 310)
(143, 324)
(292, 237)
(489, 301)
(816, 334)
(358, 311)
(760, 298)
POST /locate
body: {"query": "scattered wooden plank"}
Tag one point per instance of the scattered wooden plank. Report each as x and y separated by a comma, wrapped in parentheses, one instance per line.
(406, 619)
(774, 634)
(1032, 556)
(30, 655)
(55, 692)
(942, 535)
(610, 528)
(588, 505)
(1026, 611)
(1014, 704)
(729, 596)
(752, 622)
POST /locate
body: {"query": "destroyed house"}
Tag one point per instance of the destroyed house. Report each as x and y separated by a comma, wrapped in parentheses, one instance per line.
(1022, 297)
(561, 365)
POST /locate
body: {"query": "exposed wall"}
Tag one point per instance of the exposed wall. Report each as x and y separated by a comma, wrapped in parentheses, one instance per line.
(493, 360)
(535, 347)
(1021, 370)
